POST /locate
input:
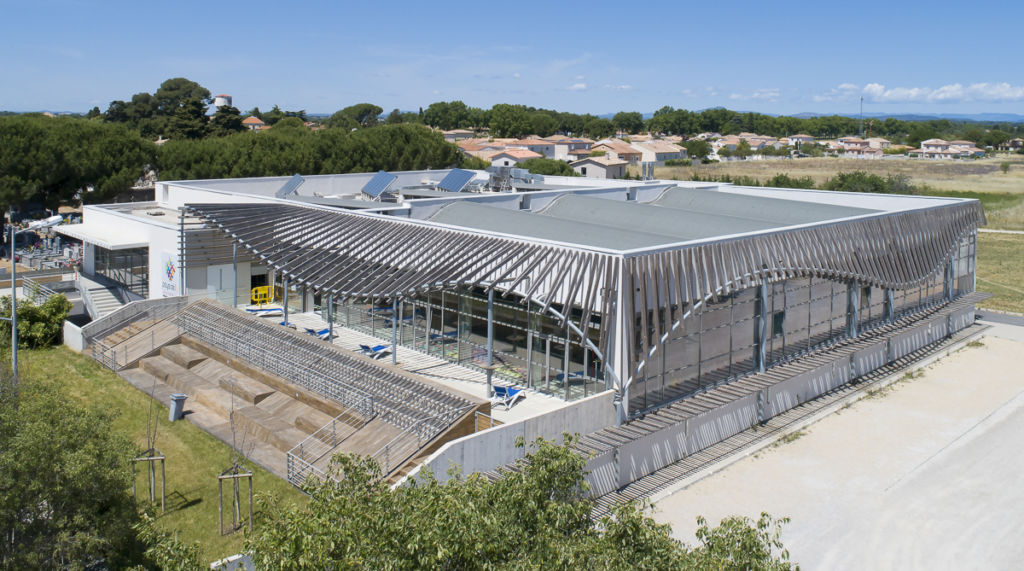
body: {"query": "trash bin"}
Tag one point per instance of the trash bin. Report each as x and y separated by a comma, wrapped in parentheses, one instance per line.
(177, 406)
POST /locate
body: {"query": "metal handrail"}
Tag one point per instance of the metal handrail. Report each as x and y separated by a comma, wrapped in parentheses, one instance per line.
(385, 451)
(314, 447)
(245, 350)
(36, 291)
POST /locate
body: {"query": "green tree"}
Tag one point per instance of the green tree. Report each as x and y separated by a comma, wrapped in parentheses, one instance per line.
(509, 120)
(547, 167)
(541, 507)
(629, 121)
(364, 114)
(64, 481)
(179, 92)
(189, 121)
(341, 120)
(395, 117)
(598, 128)
(697, 148)
(226, 121)
(55, 161)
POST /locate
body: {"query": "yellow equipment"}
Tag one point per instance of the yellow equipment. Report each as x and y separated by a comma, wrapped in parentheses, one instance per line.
(262, 295)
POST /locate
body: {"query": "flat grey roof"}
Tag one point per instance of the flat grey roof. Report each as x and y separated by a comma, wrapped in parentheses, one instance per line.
(677, 215)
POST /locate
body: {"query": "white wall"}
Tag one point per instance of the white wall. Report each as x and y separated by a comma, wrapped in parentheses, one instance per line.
(489, 449)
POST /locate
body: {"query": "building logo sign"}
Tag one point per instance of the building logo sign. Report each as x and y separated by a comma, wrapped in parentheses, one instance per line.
(169, 276)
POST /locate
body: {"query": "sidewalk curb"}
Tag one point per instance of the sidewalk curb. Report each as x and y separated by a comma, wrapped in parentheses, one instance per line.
(824, 412)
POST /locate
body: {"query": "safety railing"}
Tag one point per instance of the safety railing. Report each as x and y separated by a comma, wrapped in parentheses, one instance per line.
(141, 343)
(302, 458)
(405, 445)
(36, 291)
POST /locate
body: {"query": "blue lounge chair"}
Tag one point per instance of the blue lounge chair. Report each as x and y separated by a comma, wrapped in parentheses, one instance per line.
(444, 337)
(322, 333)
(507, 395)
(265, 311)
(577, 375)
(375, 352)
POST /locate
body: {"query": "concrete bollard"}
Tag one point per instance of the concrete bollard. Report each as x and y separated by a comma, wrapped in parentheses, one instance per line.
(177, 406)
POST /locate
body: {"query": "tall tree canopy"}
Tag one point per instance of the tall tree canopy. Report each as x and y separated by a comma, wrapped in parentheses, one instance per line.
(64, 481)
(51, 160)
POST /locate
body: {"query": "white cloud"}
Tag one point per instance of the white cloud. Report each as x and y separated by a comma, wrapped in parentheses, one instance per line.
(844, 92)
(687, 91)
(516, 75)
(763, 94)
(620, 87)
(577, 87)
(950, 93)
(579, 78)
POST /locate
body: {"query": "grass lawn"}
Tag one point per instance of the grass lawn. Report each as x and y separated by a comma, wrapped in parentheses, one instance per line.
(978, 175)
(1001, 270)
(194, 458)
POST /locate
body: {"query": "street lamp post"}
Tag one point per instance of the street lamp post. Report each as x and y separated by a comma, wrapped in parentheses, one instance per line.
(51, 221)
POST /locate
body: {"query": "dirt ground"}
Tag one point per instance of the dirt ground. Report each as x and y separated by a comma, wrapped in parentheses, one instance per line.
(925, 475)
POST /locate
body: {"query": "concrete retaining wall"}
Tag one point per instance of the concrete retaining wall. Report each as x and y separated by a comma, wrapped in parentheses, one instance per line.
(489, 449)
(73, 337)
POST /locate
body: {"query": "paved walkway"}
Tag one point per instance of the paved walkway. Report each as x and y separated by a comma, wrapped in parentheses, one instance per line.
(925, 475)
(460, 378)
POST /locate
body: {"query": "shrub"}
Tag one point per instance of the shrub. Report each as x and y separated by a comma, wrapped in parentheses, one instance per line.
(678, 162)
(38, 325)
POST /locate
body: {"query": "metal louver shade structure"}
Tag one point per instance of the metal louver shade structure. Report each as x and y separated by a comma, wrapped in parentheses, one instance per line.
(350, 254)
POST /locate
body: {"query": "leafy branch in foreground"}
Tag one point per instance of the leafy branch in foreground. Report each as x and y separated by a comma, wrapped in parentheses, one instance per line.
(536, 516)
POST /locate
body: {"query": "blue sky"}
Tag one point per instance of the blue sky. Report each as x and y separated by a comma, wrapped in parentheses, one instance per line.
(594, 57)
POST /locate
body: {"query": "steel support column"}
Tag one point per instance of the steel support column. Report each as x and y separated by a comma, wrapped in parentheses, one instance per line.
(761, 333)
(286, 301)
(490, 341)
(234, 268)
(394, 330)
(852, 308)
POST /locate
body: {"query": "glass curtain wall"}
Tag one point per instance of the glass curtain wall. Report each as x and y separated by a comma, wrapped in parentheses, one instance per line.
(129, 267)
(530, 349)
(717, 341)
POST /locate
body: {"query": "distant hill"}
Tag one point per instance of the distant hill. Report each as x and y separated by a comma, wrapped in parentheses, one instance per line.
(978, 117)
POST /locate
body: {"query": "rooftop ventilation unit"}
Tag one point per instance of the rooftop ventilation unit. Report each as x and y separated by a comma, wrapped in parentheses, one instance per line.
(290, 186)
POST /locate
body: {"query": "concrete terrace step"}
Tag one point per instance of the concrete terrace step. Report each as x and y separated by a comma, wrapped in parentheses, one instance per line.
(174, 374)
(268, 428)
(185, 356)
(245, 388)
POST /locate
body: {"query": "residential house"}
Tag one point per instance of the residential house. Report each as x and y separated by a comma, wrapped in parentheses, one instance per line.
(540, 146)
(253, 123)
(456, 135)
(564, 148)
(657, 151)
(933, 145)
(852, 142)
(617, 149)
(512, 157)
(865, 152)
(600, 167)
(800, 139)
(879, 143)
(1012, 145)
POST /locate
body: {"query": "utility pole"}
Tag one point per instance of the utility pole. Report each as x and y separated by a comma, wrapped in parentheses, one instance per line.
(861, 128)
